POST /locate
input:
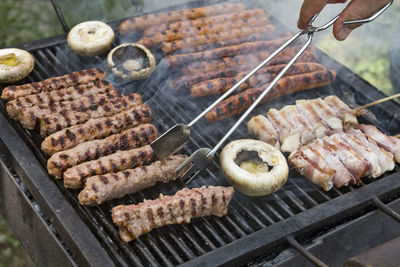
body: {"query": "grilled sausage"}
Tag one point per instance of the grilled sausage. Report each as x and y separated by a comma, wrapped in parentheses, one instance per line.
(184, 82)
(29, 117)
(245, 62)
(140, 23)
(210, 39)
(253, 37)
(135, 220)
(132, 138)
(265, 74)
(238, 103)
(96, 129)
(66, 94)
(203, 21)
(101, 188)
(244, 48)
(75, 177)
(190, 32)
(54, 122)
(71, 79)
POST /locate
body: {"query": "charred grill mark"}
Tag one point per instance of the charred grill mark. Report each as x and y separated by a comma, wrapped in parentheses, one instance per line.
(104, 179)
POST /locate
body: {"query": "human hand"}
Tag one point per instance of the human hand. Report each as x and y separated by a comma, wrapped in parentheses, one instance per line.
(356, 9)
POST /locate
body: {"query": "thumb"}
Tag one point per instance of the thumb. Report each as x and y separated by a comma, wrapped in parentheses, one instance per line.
(356, 9)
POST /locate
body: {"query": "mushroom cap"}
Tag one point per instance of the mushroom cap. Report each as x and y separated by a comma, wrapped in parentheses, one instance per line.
(15, 64)
(131, 61)
(254, 184)
(90, 38)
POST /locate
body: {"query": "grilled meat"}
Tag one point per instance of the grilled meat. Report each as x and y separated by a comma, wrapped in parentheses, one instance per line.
(71, 79)
(203, 22)
(184, 82)
(240, 63)
(229, 51)
(132, 138)
(341, 158)
(54, 122)
(210, 39)
(238, 103)
(389, 143)
(30, 117)
(75, 177)
(265, 74)
(66, 94)
(101, 188)
(252, 37)
(96, 129)
(201, 31)
(302, 123)
(135, 220)
(140, 23)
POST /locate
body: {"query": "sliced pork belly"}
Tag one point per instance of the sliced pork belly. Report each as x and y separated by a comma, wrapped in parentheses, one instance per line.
(385, 158)
(347, 115)
(289, 136)
(389, 143)
(319, 127)
(263, 129)
(310, 163)
(342, 176)
(328, 114)
(356, 165)
(300, 123)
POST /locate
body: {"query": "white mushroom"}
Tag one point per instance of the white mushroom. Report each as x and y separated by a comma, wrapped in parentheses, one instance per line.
(257, 175)
(131, 61)
(90, 38)
(15, 64)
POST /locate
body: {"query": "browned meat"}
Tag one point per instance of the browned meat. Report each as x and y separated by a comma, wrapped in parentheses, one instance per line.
(229, 51)
(265, 74)
(238, 103)
(54, 122)
(30, 117)
(203, 22)
(71, 79)
(240, 63)
(101, 188)
(140, 23)
(198, 31)
(184, 82)
(132, 138)
(210, 38)
(75, 177)
(252, 37)
(96, 129)
(135, 220)
(65, 94)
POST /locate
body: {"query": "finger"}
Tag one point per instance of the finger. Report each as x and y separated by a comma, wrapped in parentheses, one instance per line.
(310, 8)
(356, 9)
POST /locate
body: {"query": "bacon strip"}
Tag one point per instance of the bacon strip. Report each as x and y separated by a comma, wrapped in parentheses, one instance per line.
(101, 188)
(135, 220)
(71, 79)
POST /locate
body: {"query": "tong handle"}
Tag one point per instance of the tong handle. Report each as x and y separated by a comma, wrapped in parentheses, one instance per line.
(264, 93)
(227, 93)
(373, 17)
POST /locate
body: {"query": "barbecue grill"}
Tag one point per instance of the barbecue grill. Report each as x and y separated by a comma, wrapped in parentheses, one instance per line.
(297, 225)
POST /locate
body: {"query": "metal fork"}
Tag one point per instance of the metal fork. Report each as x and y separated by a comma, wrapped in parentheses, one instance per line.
(203, 157)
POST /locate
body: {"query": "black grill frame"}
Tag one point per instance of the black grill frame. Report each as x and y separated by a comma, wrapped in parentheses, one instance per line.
(93, 240)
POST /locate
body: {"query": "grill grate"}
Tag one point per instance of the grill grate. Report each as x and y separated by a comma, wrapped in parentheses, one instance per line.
(210, 236)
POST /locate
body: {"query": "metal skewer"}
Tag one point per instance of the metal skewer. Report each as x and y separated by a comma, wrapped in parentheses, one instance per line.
(177, 136)
(377, 102)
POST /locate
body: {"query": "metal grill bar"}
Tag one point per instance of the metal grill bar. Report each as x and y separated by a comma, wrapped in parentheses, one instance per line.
(379, 204)
(60, 16)
(293, 242)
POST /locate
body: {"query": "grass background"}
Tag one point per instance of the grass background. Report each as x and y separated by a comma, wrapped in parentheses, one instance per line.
(366, 51)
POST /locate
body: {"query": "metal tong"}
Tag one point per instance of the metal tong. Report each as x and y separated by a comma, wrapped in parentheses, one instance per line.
(177, 136)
